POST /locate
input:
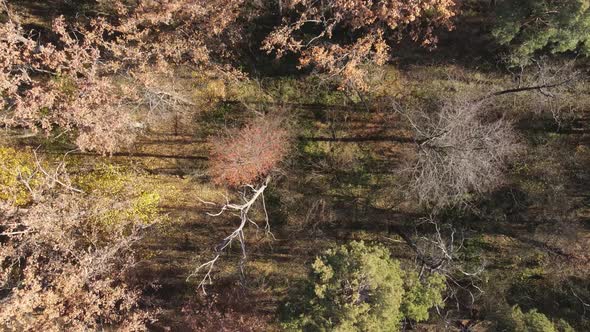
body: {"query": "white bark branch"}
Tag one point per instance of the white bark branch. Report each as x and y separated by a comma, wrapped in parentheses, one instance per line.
(237, 234)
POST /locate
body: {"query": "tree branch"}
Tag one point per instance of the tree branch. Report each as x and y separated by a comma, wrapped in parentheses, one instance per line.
(237, 234)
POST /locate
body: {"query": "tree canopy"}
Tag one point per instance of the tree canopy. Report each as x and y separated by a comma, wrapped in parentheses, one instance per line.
(358, 287)
(530, 26)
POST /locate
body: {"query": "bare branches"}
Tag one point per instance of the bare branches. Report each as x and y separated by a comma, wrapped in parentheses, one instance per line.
(547, 88)
(439, 249)
(584, 304)
(460, 152)
(40, 179)
(250, 196)
(55, 176)
(540, 88)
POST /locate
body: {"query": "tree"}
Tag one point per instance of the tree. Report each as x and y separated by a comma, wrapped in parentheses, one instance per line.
(440, 250)
(87, 76)
(61, 266)
(84, 76)
(530, 26)
(245, 155)
(461, 151)
(340, 36)
(422, 295)
(59, 84)
(356, 287)
(241, 158)
(532, 321)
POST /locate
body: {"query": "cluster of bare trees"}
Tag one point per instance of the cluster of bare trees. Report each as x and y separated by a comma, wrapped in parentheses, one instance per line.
(464, 146)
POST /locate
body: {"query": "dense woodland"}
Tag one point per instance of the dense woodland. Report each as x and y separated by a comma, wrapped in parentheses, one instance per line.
(295, 165)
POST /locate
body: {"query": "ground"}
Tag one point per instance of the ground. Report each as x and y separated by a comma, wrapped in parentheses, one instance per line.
(345, 180)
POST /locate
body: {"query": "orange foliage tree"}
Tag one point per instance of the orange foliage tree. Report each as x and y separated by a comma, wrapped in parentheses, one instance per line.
(59, 84)
(87, 77)
(340, 35)
(243, 155)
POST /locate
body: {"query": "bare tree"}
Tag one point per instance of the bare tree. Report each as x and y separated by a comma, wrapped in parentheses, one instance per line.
(256, 193)
(460, 152)
(549, 88)
(439, 248)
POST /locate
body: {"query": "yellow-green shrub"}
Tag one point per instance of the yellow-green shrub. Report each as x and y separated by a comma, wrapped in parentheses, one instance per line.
(210, 91)
(143, 208)
(105, 178)
(114, 184)
(15, 164)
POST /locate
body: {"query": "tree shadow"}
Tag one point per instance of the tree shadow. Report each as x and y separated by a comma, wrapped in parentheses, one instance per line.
(359, 139)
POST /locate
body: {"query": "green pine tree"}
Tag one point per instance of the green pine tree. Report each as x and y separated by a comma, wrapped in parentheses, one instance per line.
(356, 287)
(530, 26)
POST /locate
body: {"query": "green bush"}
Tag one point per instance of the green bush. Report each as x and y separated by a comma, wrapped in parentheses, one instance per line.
(533, 321)
(356, 287)
(420, 296)
(563, 326)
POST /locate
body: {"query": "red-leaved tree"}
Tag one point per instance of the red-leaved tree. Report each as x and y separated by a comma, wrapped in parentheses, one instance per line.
(241, 156)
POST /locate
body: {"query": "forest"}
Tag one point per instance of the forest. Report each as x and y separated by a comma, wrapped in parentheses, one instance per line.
(295, 165)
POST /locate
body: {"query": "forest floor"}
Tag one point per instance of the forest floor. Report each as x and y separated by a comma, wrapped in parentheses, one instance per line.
(344, 181)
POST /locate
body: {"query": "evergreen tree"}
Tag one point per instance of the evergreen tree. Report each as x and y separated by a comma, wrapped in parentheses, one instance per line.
(356, 287)
(529, 26)
(531, 321)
